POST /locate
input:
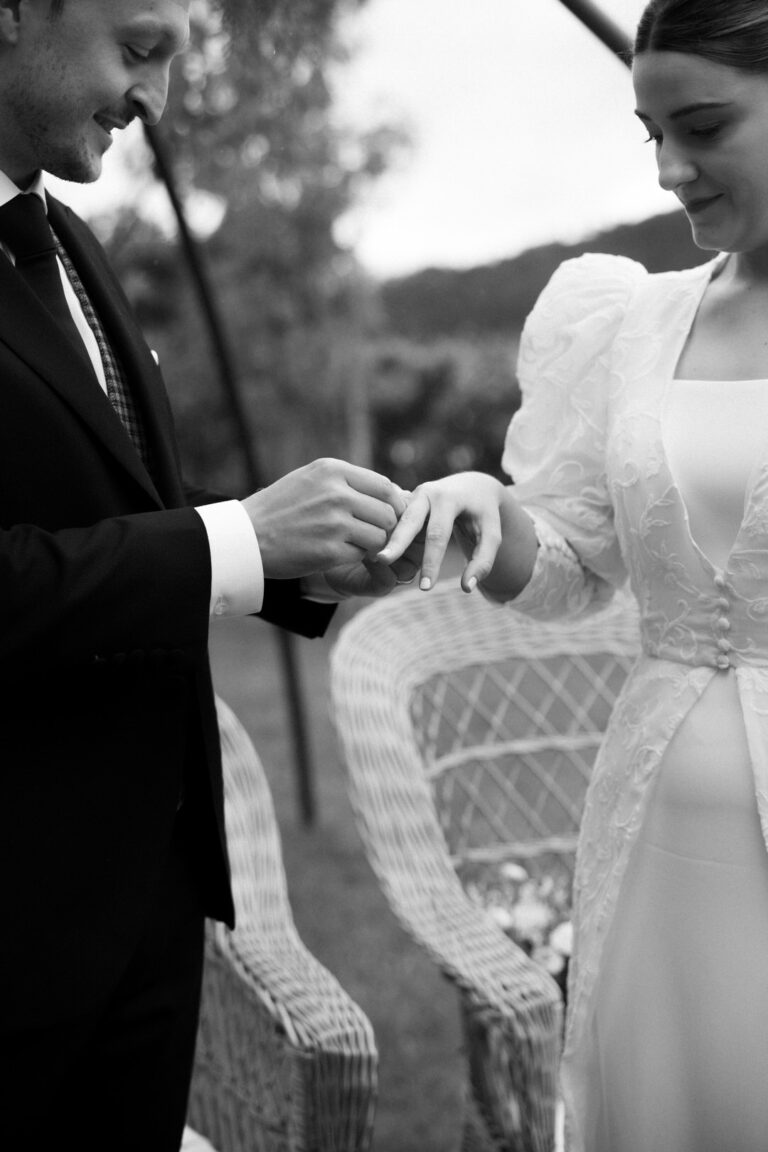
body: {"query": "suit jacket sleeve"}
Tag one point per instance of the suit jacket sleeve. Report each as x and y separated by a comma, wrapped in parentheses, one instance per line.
(76, 595)
(96, 557)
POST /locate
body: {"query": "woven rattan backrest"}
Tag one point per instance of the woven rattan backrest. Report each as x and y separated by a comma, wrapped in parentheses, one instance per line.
(259, 885)
(509, 746)
(285, 1059)
(505, 713)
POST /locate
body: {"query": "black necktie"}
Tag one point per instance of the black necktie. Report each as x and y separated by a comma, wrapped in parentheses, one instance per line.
(25, 231)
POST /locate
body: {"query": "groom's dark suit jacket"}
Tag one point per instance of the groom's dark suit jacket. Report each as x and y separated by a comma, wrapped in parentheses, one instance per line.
(106, 706)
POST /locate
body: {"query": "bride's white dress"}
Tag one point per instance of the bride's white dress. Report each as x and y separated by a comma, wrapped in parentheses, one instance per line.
(627, 470)
(680, 1030)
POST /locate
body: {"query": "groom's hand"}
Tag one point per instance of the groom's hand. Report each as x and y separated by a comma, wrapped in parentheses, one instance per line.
(370, 577)
(326, 515)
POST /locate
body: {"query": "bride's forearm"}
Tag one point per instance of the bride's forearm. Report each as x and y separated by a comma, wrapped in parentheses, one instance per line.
(513, 566)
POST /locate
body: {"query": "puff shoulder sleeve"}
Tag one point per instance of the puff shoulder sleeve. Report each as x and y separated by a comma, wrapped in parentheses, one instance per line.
(555, 446)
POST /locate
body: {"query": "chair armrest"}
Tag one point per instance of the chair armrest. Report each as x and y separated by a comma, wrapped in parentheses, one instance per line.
(431, 689)
(512, 1007)
(285, 1057)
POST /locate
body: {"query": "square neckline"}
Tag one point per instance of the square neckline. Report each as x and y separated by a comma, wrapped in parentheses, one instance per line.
(671, 378)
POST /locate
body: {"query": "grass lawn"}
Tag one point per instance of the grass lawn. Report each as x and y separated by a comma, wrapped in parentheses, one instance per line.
(339, 911)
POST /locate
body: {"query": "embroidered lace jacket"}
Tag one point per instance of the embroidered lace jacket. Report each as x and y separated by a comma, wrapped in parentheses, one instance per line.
(585, 451)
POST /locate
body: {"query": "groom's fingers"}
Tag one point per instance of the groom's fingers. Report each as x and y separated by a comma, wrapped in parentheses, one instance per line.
(404, 569)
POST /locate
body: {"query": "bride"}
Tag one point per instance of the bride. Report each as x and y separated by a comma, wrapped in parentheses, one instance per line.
(641, 452)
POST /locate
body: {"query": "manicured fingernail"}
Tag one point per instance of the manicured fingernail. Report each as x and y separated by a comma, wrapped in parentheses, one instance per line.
(471, 583)
(425, 583)
(383, 555)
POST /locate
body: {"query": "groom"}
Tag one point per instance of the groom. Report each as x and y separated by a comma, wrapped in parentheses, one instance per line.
(111, 825)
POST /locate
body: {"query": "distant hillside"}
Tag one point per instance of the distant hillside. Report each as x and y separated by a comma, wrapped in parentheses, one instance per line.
(498, 297)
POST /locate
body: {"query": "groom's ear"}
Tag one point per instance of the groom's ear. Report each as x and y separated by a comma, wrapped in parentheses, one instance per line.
(16, 16)
(10, 21)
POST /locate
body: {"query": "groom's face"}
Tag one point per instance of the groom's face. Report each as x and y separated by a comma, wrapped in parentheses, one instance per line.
(71, 74)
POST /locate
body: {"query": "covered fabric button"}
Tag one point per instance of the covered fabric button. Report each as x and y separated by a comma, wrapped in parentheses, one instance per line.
(719, 581)
(724, 624)
(722, 662)
(724, 603)
(725, 645)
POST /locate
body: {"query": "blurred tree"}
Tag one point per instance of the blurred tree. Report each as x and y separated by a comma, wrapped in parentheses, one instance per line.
(441, 406)
(250, 131)
(256, 151)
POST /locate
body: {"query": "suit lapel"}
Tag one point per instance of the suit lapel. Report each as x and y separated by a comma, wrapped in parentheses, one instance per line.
(26, 328)
(128, 343)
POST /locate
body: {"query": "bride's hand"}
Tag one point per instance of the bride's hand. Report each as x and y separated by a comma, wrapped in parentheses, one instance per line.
(470, 502)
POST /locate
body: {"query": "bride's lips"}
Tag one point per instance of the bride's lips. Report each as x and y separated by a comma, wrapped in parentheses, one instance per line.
(699, 204)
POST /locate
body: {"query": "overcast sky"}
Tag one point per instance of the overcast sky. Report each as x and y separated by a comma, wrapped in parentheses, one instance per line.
(521, 123)
(522, 126)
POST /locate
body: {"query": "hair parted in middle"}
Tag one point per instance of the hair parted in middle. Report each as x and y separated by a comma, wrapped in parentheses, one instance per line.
(730, 32)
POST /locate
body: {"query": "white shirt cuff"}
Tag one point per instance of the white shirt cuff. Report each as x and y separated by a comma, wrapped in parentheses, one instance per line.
(237, 574)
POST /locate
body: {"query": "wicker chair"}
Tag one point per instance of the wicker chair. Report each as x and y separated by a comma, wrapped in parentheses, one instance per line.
(469, 734)
(286, 1061)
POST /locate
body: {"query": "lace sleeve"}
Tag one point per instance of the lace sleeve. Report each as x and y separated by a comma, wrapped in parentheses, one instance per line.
(555, 446)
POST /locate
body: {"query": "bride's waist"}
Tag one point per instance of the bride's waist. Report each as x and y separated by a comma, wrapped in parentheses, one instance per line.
(720, 642)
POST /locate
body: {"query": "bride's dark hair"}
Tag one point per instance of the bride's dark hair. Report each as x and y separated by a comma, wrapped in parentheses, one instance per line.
(732, 32)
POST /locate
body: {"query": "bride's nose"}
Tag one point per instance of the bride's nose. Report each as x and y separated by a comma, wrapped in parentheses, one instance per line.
(675, 167)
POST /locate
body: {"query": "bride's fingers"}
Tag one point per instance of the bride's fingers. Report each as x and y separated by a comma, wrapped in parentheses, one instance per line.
(487, 542)
(406, 530)
(441, 507)
(442, 516)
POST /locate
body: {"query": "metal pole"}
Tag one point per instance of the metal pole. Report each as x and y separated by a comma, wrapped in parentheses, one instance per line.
(245, 438)
(603, 27)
